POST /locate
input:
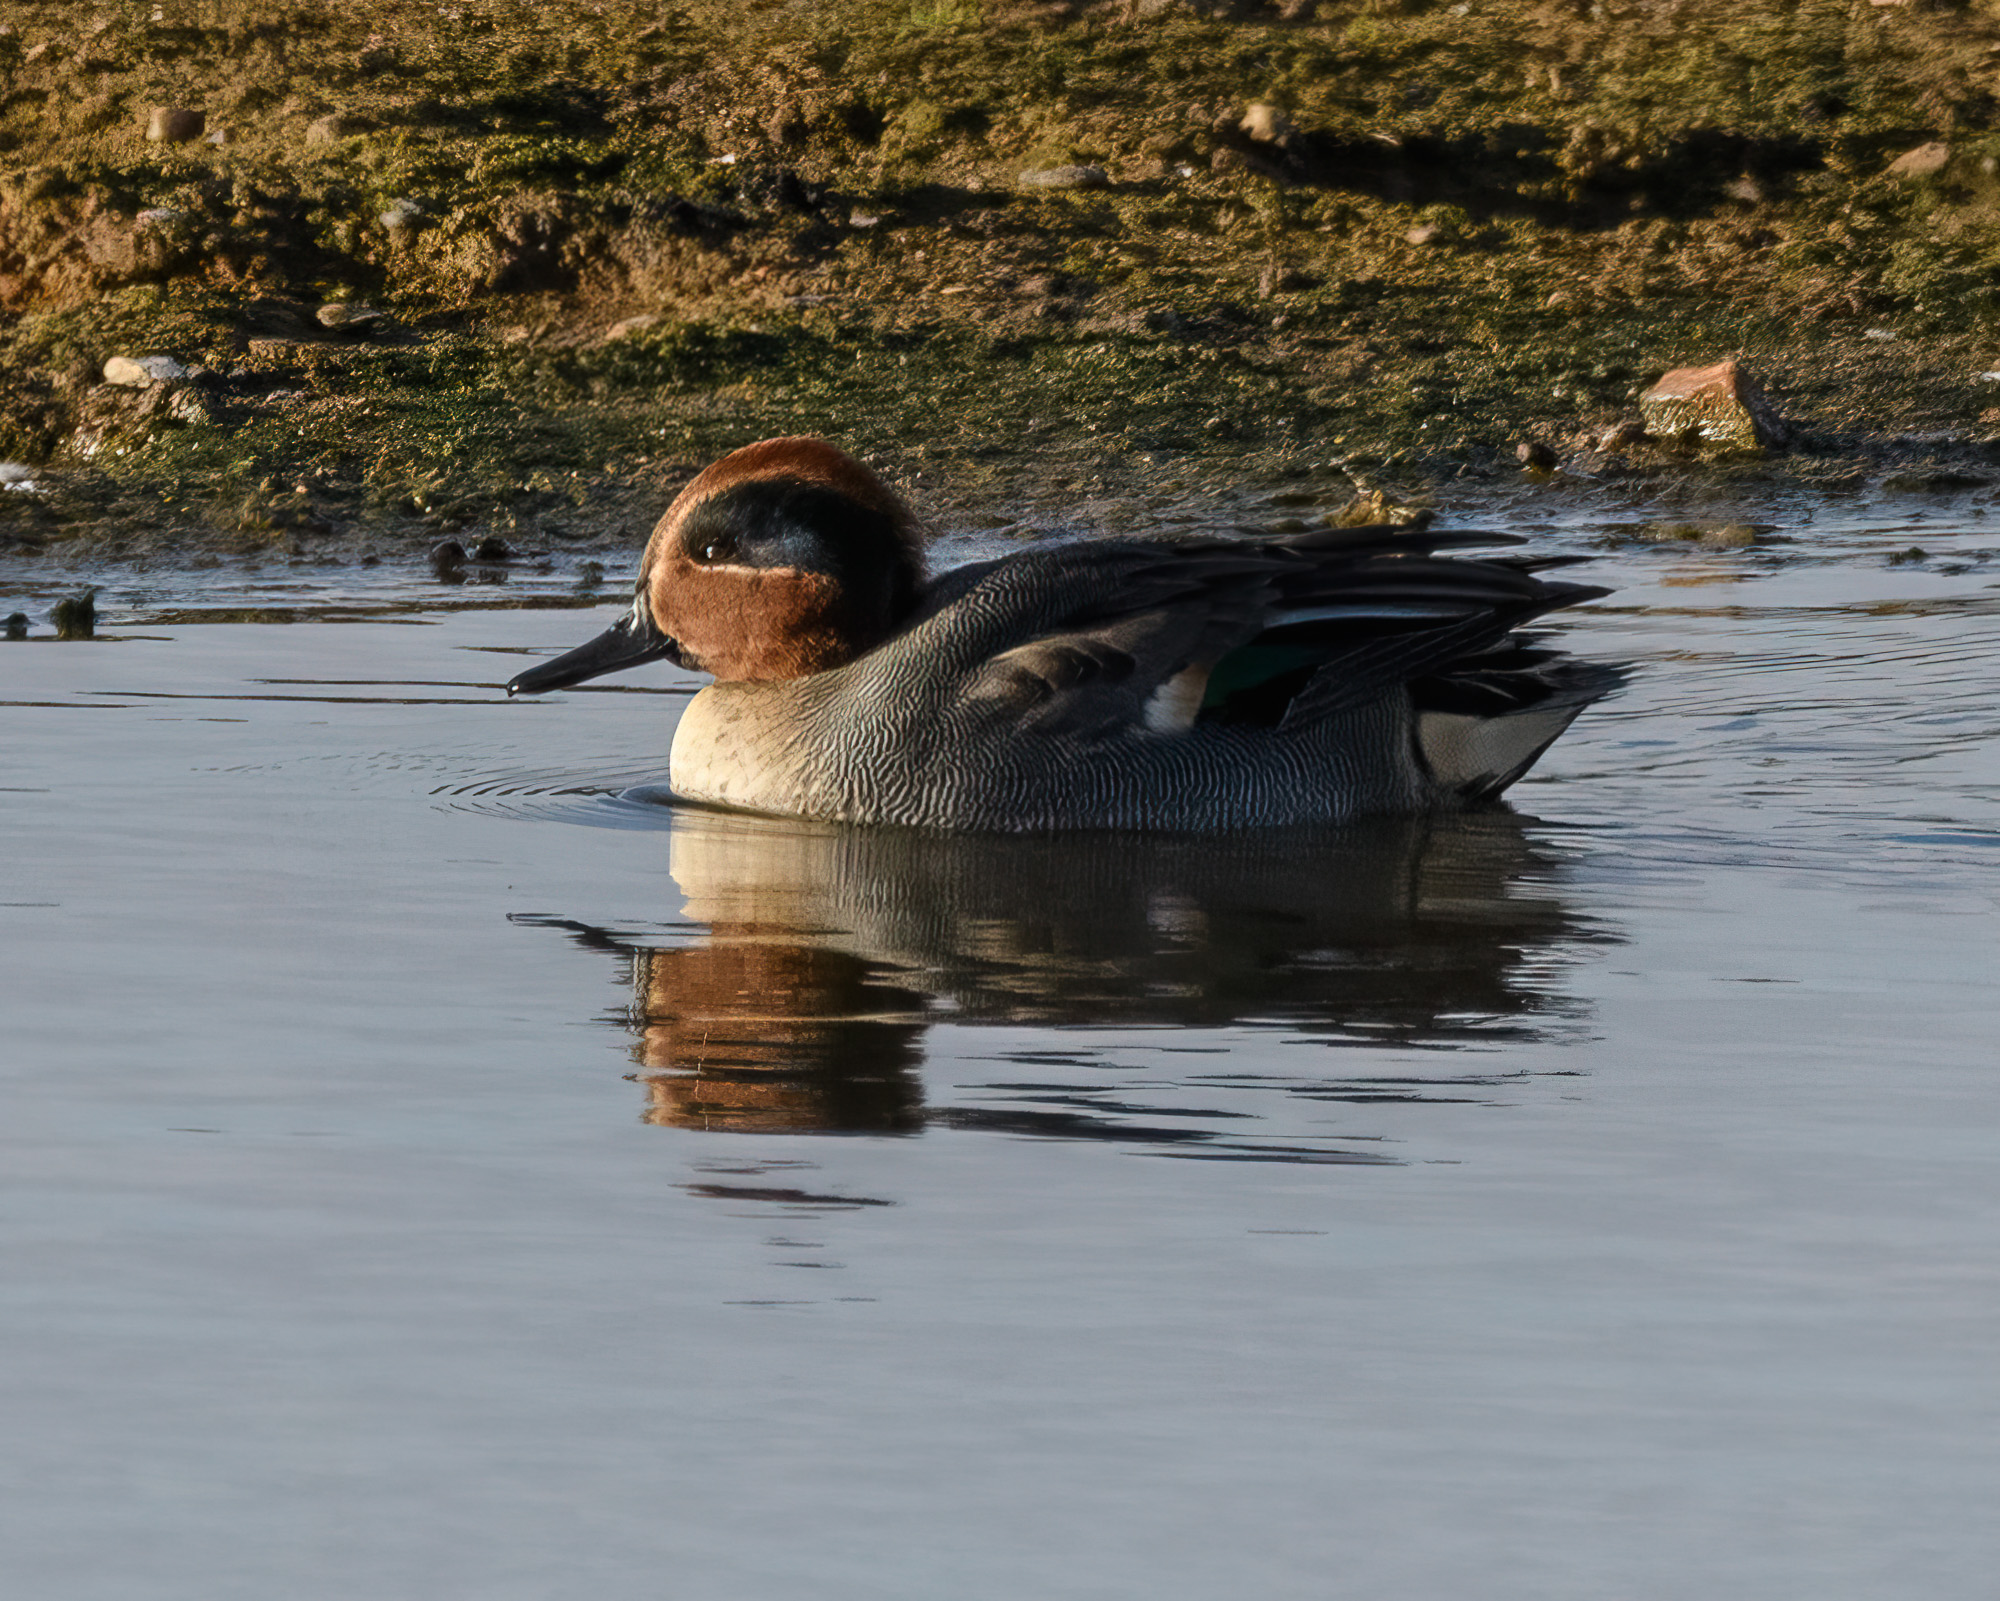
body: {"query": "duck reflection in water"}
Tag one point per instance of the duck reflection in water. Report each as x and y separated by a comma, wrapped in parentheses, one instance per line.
(753, 1032)
(829, 951)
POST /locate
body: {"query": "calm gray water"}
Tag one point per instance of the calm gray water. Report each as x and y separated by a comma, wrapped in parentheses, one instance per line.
(429, 1175)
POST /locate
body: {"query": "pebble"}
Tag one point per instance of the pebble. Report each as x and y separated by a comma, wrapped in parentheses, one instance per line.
(174, 124)
(628, 326)
(143, 372)
(1267, 124)
(1066, 177)
(17, 625)
(1718, 405)
(402, 218)
(1926, 161)
(347, 316)
(14, 472)
(1533, 454)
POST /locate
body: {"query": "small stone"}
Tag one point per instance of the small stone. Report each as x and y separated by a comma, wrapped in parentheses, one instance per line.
(347, 316)
(1268, 125)
(17, 625)
(492, 548)
(143, 372)
(1535, 456)
(448, 561)
(174, 125)
(76, 618)
(1719, 405)
(219, 137)
(1880, 335)
(402, 219)
(1624, 437)
(1926, 161)
(1066, 177)
(1426, 233)
(862, 219)
(14, 472)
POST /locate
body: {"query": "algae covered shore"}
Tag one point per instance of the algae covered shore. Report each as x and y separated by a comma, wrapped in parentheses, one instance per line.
(476, 269)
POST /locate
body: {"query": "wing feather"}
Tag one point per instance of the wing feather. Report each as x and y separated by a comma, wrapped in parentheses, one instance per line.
(1098, 640)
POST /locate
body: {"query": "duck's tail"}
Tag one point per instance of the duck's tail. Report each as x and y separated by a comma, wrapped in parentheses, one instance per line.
(1486, 720)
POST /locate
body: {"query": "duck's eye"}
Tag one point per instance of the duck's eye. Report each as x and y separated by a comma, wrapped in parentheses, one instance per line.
(711, 548)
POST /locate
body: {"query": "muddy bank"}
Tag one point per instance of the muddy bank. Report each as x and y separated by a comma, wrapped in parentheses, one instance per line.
(432, 273)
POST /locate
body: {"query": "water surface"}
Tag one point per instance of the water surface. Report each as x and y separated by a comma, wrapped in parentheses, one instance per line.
(430, 1173)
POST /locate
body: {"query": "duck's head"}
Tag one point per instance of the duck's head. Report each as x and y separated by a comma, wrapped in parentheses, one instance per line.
(784, 558)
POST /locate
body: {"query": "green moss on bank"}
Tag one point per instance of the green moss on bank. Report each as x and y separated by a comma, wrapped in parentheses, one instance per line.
(612, 240)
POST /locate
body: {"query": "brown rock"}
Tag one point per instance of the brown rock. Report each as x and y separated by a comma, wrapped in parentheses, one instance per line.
(174, 125)
(1926, 161)
(1720, 406)
(1267, 125)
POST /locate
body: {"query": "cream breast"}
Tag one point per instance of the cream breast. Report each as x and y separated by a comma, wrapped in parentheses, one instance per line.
(737, 746)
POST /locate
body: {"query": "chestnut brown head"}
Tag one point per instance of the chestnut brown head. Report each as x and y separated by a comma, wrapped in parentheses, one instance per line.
(782, 559)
